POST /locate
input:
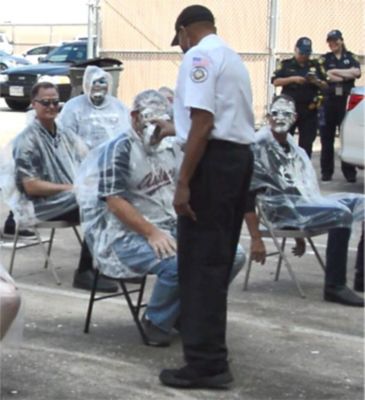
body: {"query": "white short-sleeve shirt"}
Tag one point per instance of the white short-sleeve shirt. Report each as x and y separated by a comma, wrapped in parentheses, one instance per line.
(212, 77)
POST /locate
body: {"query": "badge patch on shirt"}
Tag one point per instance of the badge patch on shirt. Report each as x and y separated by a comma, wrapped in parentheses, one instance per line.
(199, 74)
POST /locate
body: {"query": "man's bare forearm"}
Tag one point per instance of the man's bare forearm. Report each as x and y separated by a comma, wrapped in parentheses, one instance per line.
(129, 215)
(40, 188)
(252, 223)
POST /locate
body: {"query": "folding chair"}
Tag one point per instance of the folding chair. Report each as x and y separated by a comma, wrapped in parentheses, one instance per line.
(52, 225)
(268, 231)
(138, 286)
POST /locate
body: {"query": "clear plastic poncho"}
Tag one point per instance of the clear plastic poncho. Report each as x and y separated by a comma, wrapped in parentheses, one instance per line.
(288, 190)
(130, 168)
(95, 124)
(35, 154)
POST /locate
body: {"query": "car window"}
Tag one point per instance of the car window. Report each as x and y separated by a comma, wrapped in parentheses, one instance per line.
(67, 53)
(37, 51)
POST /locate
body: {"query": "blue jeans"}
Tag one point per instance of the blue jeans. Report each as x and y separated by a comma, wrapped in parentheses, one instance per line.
(163, 308)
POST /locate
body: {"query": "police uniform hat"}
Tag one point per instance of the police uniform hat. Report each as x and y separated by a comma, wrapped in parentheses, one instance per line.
(334, 35)
(190, 15)
(304, 45)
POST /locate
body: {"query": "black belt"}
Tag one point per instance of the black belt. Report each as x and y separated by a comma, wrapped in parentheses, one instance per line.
(226, 144)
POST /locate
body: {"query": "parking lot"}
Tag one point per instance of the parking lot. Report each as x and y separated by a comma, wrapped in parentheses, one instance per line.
(281, 346)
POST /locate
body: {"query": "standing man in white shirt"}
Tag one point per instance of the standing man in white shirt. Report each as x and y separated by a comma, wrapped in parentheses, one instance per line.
(214, 124)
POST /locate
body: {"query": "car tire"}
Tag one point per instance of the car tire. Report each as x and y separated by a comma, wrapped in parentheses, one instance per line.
(17, 105)
(3, 67)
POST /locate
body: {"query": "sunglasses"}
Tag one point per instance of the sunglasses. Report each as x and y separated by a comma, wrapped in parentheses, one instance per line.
(48, 102)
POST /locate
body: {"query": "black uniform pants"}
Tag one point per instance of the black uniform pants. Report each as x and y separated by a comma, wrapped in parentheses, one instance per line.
(86, 260)
(206, 250)
(334, 112)
(359, 266)
(307, 125)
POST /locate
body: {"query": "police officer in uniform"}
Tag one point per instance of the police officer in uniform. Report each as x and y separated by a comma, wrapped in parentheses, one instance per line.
(302, 78)
(214, 123)
(342, 69)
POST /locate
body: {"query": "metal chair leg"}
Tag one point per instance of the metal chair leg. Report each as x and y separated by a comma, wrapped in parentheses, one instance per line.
(50, 243)
(288, 266)
(248, 270)
(91, 302)
(12, 259)
(280, 260)
(314, 248)
(46, 256)
(77, 234)
(135, 309)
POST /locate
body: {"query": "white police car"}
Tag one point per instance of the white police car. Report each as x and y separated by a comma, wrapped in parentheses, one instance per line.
(352, 130)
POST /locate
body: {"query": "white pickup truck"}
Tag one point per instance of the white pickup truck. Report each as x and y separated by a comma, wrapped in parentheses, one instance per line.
(352, 130)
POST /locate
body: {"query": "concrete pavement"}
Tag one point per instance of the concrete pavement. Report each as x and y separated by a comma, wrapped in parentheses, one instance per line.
(281, 346)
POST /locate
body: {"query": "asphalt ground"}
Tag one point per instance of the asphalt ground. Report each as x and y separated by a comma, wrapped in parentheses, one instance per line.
(281, 346)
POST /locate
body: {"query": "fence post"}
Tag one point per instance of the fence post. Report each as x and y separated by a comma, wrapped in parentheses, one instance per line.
(272, 43)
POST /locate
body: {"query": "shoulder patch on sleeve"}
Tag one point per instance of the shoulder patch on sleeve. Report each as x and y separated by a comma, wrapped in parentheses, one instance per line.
(200, 61)
(198, 74)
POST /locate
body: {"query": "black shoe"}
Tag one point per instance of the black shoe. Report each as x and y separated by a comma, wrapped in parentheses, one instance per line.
(189, 378)
(326, 177)
(24, 234)
(343, 295)
(85, 280)
(9, 232)
(155, 336)
(359, 283)
(351, 179)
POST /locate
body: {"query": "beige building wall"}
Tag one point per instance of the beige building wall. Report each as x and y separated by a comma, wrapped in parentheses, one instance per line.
(25, 36)
(139, 32)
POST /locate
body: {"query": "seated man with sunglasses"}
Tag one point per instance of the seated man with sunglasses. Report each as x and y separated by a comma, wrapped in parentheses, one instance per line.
(45, 158)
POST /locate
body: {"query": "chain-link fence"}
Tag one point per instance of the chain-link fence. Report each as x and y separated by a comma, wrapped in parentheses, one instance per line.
(139, 34)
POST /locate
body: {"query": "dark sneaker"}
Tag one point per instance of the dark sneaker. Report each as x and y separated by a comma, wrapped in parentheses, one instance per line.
(9, 232)
(189, 378)
(326, 177)
(85, 281)
(155, 336)
(343, 295)
(24, 234)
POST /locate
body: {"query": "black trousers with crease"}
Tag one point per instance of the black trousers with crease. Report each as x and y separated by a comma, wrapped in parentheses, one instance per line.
(206, 250)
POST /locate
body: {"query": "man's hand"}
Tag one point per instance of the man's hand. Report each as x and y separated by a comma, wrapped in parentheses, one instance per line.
(258, 251)
(299, 248)
(181, 201)
(299, 80)
(166, 129)
(163, 244)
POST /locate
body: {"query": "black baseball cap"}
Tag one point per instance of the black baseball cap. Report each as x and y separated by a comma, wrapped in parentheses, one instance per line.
(334, 35)
(188, 15)
(304, 45)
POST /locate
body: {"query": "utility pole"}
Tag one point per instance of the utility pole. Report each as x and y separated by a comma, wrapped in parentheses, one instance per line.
(93, 29)
(272, 43)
